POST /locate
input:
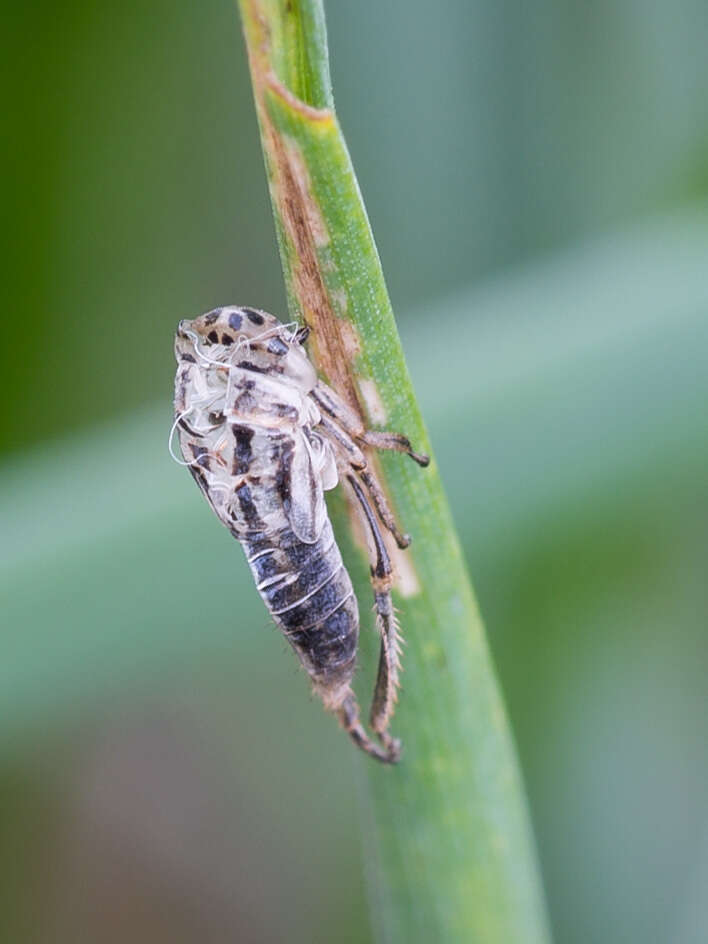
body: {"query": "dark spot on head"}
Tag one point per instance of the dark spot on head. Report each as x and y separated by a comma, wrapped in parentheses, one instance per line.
(255, 316)
(235, 320)
(277, 346)
(213, 337)
(188, 357)
(211, 316)
(216, 418)
(226, 339)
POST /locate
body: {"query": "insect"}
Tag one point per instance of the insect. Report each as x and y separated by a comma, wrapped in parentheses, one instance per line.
(264, 438)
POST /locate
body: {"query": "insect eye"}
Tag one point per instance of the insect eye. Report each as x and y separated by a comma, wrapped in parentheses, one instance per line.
(277, 346)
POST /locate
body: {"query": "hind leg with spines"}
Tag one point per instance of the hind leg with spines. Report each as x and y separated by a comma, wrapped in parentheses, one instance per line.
(341, 701)
(385, 691)
(350, 720)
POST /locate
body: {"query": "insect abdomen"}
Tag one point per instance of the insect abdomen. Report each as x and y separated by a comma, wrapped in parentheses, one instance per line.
(310, 596)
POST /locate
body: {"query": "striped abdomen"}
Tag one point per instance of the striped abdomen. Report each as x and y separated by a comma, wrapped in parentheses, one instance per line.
(309, 594)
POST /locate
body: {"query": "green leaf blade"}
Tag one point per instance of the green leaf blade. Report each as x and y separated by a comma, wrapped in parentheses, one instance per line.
(452, 856)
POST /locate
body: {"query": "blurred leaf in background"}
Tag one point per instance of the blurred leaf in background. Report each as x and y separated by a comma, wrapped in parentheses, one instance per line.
(163, 776)
(136, 195)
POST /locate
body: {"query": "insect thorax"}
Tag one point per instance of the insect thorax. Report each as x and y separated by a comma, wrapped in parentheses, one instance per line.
(247, 428)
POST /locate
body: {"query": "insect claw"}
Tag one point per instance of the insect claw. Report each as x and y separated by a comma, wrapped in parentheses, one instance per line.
(419, 457)
(392, 746)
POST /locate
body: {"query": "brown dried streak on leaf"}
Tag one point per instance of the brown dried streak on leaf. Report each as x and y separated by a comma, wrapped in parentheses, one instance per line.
(317, 226)
(334, 339)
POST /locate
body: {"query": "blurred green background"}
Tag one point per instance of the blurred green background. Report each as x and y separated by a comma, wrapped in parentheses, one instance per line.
(537, 180)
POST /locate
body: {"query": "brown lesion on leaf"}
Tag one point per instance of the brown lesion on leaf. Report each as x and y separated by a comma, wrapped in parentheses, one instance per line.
(316, 224)
(333, 340)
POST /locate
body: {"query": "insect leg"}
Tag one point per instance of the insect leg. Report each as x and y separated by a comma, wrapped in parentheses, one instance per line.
(396, 442)
(381, 504)
(383, 702)
(357, 460)
(333, 404)
(348, 714)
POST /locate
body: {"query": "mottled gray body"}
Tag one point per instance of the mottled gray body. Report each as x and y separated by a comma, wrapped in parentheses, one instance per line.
(310, 596)
(264, 439)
